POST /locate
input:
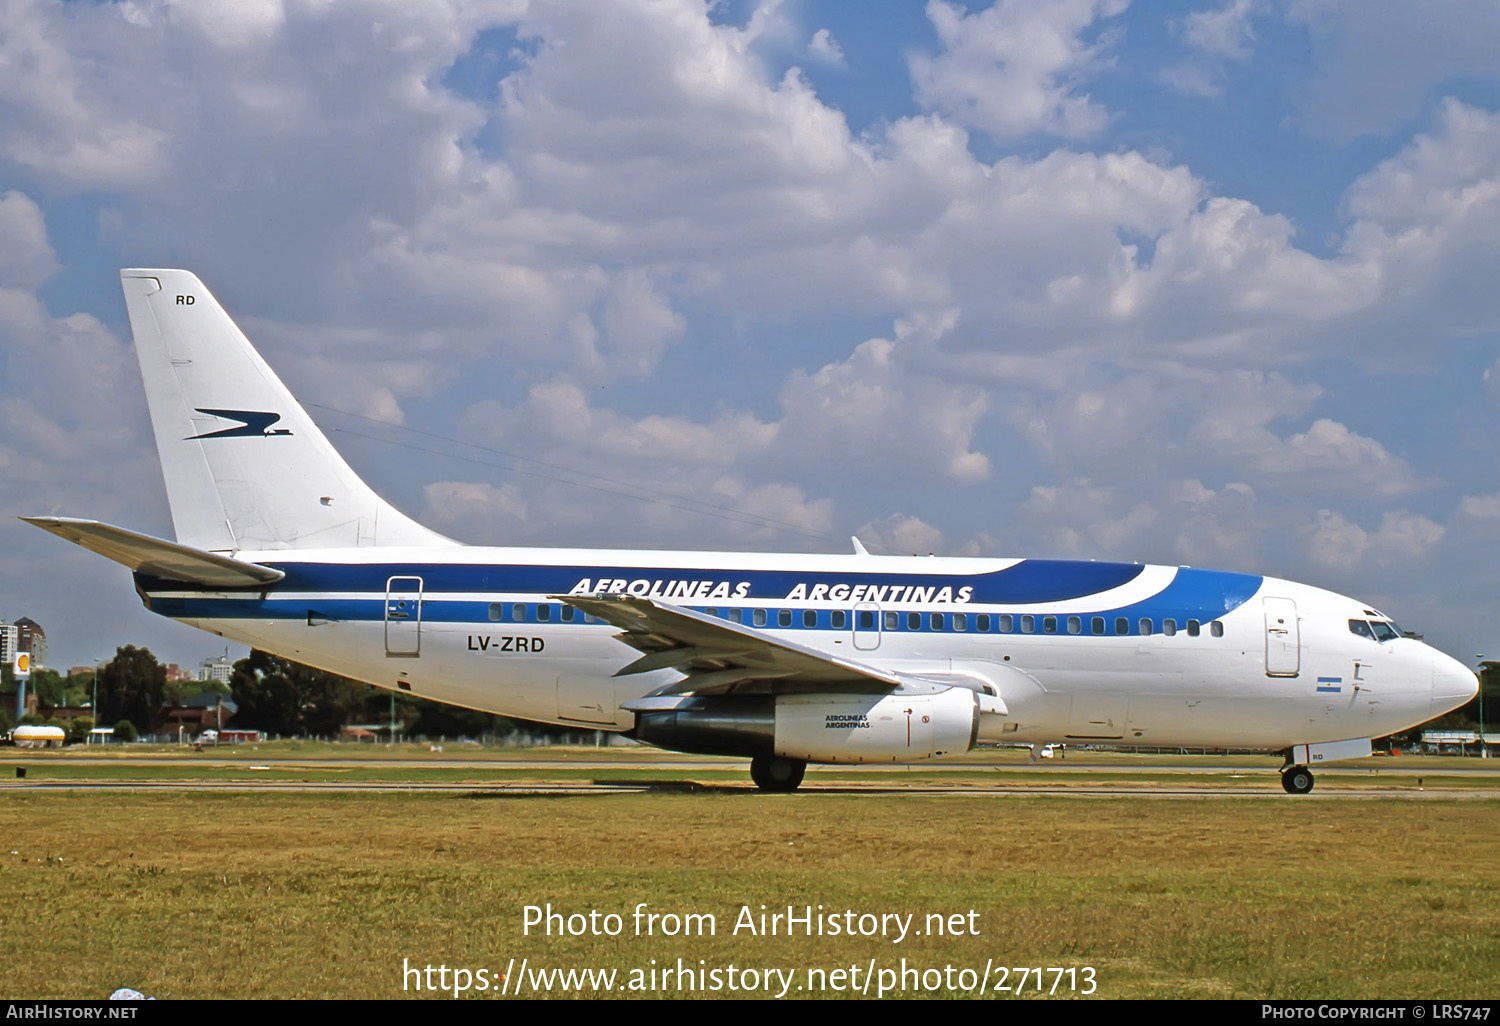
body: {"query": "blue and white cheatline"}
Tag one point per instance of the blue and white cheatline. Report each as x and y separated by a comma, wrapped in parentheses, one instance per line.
(785, 659)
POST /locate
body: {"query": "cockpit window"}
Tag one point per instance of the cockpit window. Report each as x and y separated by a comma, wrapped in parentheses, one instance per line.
(1375, 630)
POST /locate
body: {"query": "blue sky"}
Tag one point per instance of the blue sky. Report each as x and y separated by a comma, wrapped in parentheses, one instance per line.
(1206, 283)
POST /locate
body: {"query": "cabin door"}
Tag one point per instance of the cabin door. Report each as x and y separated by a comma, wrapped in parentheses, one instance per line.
(403, 617)
(1283, 640)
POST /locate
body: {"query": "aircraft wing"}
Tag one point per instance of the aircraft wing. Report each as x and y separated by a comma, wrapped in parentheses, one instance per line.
(159, 558)
(718, 656)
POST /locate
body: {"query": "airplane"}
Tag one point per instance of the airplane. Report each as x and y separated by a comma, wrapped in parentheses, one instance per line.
(786, 659)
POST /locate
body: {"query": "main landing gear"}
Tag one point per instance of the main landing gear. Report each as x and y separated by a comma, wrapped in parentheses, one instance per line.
(773, 773)
(1297, 779)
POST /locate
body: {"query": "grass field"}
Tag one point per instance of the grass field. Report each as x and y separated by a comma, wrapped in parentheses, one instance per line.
(328, 895)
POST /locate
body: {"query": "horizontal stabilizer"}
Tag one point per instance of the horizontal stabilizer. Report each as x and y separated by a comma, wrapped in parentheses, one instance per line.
(149, 555)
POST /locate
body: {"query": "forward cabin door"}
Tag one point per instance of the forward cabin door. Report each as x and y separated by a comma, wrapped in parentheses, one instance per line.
(1283, 640)
(403, 617)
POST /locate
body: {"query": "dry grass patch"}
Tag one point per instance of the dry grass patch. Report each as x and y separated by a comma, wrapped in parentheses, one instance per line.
(307, 895)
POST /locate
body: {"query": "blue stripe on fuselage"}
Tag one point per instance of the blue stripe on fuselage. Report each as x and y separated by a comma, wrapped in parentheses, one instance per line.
(1192, 594)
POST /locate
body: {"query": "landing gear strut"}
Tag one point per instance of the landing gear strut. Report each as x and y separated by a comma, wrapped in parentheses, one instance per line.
(773, 773)
(1297, 779)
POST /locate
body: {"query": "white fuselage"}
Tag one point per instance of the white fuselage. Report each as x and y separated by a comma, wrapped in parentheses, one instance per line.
(1082, 652)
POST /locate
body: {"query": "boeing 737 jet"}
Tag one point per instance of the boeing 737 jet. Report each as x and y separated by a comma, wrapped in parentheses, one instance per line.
(784, 659)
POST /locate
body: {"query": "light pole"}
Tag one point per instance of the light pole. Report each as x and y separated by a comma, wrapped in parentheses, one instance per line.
(94, 706)
(1483, 752)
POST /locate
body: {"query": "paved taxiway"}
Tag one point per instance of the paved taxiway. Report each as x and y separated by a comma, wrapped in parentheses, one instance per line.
(1070, 780)
(563, 790)
(1267, 768)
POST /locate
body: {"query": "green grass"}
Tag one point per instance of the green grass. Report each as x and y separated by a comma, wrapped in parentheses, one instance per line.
(310, 895)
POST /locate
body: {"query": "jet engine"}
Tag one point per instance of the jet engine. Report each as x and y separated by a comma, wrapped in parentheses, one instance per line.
(830, 727)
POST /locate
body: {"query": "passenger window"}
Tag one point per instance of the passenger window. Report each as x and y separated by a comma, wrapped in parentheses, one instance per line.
(960, 621)
(543, 613)
(567, 614)
(497, 611)
(1169, 627)
(1007, 623)
(519, 612)
(892, 621)
(1216, 629)
(839, 619)
(1075, 625)
(736, 616)
(913, 621)
(1122, 625)
(759, 616)
(982, 623)
(866, 620)
(1192, 628)
(810, 618)
(783, 617)
(1049, 625)
(935, 620)
(1146, 626)
(1028, 624)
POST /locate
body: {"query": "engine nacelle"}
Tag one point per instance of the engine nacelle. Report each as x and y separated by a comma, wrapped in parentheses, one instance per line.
(851, 728)
(830, 728)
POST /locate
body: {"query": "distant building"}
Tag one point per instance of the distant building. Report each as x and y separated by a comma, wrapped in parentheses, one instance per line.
(31, 638)
(25, 635)
(209, 710)
(220, 669)
(10, 637)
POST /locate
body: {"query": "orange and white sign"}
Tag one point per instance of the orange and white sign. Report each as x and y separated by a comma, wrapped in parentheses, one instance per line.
(23, 665)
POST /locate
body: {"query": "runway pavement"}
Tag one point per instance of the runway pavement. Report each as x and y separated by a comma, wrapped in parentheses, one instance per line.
(1167, 778)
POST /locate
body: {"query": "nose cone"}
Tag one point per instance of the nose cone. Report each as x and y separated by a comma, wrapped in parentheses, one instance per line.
(1453, 683)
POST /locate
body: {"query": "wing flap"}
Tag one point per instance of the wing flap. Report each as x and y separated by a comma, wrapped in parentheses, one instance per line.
(145, 554)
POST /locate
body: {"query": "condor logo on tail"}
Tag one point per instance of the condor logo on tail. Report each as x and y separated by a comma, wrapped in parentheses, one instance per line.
(252, 425)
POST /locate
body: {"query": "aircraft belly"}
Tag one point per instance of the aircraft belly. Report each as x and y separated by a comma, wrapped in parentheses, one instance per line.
(507, 681)
(336, 651)
(1147, 701)
(547, 674)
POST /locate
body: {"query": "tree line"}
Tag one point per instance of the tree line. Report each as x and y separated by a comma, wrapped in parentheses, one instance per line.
(271, 694)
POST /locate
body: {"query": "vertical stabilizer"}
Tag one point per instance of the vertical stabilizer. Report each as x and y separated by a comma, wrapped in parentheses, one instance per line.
(245, 466)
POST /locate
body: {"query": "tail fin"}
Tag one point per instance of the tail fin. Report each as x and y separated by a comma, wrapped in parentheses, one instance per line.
(245, 466)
